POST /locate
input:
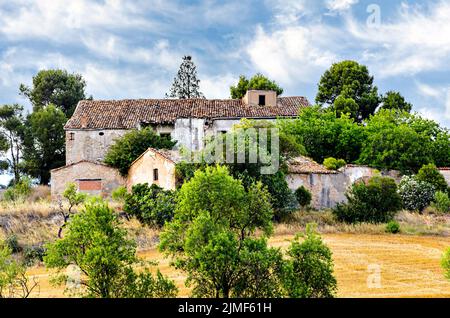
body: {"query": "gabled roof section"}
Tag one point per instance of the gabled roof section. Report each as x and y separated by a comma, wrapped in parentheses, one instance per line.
(81, 161)
(129, 113)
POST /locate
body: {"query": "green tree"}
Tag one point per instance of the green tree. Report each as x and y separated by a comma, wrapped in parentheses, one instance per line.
(151, 205)
(186, 84)
(351, 83)
(98, 246)
(323, 135)
(430, 174)
(57, 87)
(11, 135)
(394, 100)
(375, 201)
(257, 82)
(44, 140)
(210, 236)
(129, 147)
(308, 273)
(399, 140)
(14, 282)
(303, 196)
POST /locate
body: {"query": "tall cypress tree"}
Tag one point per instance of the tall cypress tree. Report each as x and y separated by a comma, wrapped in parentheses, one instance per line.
(186, 84)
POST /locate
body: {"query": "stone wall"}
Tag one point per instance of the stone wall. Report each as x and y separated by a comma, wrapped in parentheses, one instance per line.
(90, 145)
(87, 176)
(142, 171)
(446, 173)
(328, 189)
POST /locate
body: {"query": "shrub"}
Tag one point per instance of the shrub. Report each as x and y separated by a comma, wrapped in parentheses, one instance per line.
(308, 272)
(119, 194)
(446, 263)
(430, 174)
(374, 202)
(14, 282)
(393, 227)
(18, 192)
(151, 205)
(416, 195)
(97, 243)
(13, 243)
(33, 254)
(441, 202)
(303, 196)
(333, 164)
(130, 146)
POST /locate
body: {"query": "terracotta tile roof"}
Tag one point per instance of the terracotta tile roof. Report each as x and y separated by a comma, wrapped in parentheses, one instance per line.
(81, 161)
(305, 165)
(129, 113)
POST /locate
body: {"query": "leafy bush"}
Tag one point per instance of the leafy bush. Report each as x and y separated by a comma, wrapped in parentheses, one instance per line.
(416, 195)
(308, 272)
(393, 227)
(333, 164)
(151, 205)
(303, 196)
(441, 202)
(97, 243)
(18, 192)
(430, 174)
(13, 243)
(14, 282)
(374, 202)
(133, 144)
(446, 263)
(119, 194)
(33, 254)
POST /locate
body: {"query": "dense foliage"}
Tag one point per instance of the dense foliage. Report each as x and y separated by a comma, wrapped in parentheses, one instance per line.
(393, 227)
(57, 87)
(257, 82)
(44, 142)
(308, 273)
(430, 174)
(441, 202)
(151, 205)
(446, 263)
(99, 247)
(405, 142)
(130, 146)
(376, 201)
(394, 100)
(348, 87)
(324, 135)
(303, 196)
(333, 163)
(416, 195)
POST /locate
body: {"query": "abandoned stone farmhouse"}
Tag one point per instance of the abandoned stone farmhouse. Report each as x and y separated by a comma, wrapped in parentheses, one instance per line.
(95, 125)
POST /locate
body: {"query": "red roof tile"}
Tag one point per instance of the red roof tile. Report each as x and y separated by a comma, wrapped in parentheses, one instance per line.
(129, 113)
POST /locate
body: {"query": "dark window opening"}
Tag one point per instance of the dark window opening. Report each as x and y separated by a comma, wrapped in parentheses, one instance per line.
(262, 100)
(223, 132)
(72, 136)
(155, 174)
(101, 133)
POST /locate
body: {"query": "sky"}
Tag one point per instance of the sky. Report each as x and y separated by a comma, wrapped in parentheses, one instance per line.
(132, 49)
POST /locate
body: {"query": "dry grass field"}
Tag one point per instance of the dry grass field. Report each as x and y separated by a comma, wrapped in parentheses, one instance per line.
(410, 265)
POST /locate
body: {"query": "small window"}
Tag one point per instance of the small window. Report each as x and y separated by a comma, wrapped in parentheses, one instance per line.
(72, 136)
(155, 174)
(223, 132)
(262, 100)
(101, 133)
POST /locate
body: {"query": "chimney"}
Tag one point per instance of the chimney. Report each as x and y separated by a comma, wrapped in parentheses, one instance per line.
(260, 98)
(84, 121)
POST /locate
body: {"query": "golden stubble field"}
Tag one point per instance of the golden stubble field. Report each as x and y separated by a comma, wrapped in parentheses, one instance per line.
(409, 265)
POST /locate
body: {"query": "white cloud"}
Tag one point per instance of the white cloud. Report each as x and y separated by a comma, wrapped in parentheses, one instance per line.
(291, 54)
(447, 105)
(340, 5)
(416, 41)
(217, 86)
(430, 91)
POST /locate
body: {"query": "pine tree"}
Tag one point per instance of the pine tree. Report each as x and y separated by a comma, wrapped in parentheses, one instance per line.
(186, 84)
